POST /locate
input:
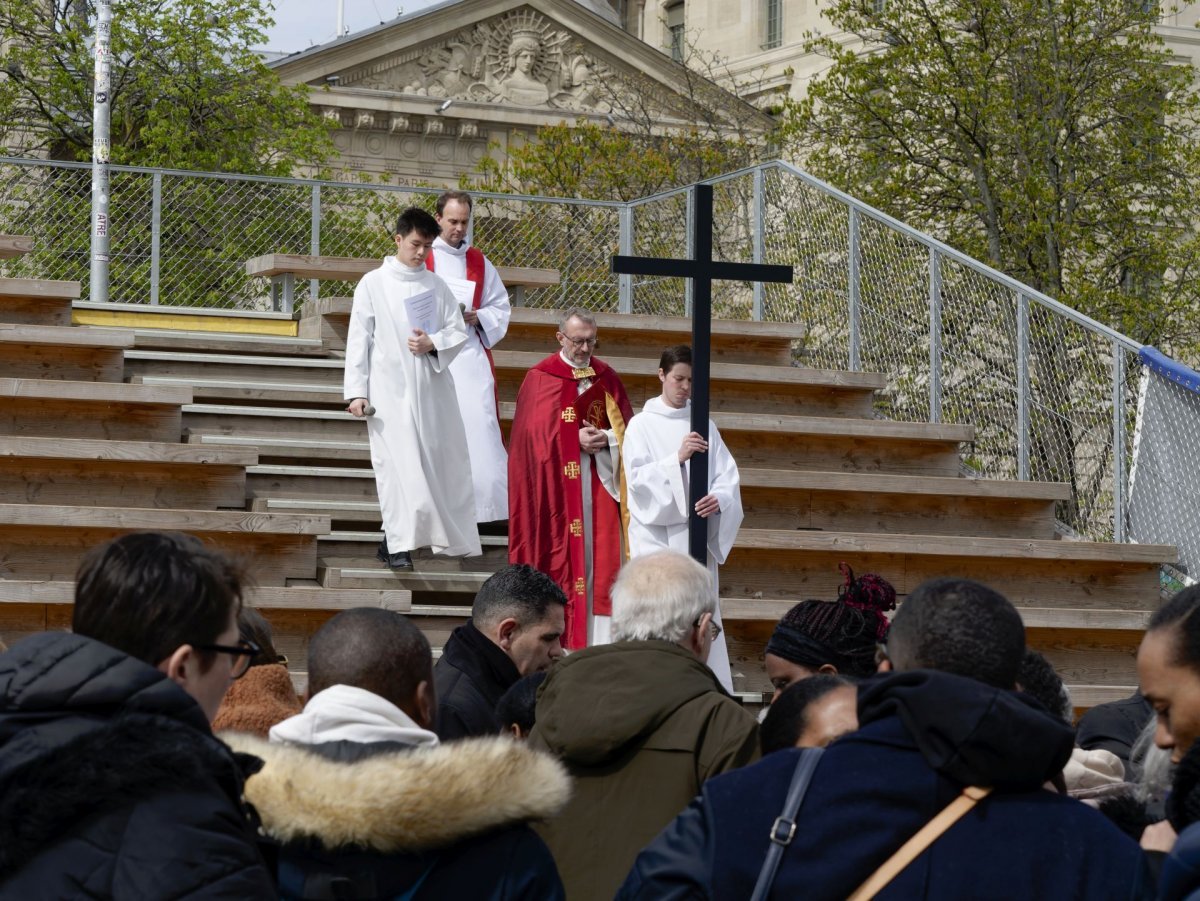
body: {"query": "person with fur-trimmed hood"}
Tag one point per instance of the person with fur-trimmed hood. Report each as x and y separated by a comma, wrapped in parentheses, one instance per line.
(366, 803)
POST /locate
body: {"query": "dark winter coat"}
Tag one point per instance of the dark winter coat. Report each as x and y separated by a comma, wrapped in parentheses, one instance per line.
(641, 725)
(470, 677)
(923, 737)
(1115, 727)
(112, 784)
(376, 820)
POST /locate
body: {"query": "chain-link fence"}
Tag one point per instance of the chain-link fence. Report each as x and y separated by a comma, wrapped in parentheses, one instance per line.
(183, 238)
(1052, 395)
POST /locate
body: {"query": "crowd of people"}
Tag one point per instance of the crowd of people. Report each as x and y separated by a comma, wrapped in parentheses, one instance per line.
(577, 736)
(159, 750)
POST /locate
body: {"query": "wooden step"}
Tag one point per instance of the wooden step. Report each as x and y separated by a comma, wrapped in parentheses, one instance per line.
(289, 449)
(781, 565)
(355, 549)
(73, 354)
(65, 409)
(756, 440)
(316, 482)
(364, 512)
(12, 246)
(881, 502)
(532, 330)
(193, 340)
(427, 586)
(122, 473)
(737, 387)
(36, 301)
(234, 366)
(47, 542)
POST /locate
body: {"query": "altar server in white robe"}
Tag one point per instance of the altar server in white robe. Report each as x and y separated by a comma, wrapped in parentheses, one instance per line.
(418, 442)
(486, 311)
(657, 451)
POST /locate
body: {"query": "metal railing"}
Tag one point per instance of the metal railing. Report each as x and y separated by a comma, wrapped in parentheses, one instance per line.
(1052, 394)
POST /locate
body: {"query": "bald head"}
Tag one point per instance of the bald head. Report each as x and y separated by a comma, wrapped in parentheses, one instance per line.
(376, 650)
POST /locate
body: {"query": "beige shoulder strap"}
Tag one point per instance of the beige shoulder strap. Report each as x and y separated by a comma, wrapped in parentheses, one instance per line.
(911, 849)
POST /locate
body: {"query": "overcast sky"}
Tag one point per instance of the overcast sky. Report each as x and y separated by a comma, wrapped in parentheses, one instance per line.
(300, 24)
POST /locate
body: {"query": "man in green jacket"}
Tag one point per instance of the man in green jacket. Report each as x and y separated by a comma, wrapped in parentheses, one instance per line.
(640, 724)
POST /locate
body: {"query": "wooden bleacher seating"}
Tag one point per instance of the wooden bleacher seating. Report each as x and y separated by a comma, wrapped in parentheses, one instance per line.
(283, 269)
(12, 246)
(823, 481)
(53, 352)
(31, 301)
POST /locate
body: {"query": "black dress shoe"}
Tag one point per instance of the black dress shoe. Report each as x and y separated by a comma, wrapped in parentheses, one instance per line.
(398, 560)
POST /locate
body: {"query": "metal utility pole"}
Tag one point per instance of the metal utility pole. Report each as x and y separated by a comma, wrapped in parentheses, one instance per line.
(101, 152)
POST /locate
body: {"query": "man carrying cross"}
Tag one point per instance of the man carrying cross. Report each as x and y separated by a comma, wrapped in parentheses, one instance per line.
(565, 490)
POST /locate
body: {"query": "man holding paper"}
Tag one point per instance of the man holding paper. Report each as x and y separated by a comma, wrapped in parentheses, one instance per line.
(486, 311)
(405, 329)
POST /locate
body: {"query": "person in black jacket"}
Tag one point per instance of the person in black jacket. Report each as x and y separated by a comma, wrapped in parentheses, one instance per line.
(366, 804)
(515, 629)
(111, 782)
(941, 716)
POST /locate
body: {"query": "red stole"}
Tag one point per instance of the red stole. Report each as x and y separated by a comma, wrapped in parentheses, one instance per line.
(544, 496)
(475, 271)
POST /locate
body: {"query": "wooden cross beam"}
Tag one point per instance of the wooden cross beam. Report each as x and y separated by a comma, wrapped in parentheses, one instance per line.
(702, 271)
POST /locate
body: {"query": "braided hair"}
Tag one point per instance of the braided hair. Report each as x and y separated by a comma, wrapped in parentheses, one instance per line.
(842, 633)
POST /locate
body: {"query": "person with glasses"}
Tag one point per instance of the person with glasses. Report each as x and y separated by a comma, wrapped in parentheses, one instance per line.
(112, 784)
(641, 723)
(565, 487)
(657, 456)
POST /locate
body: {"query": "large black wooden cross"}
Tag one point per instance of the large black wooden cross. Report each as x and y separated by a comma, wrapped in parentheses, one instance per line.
(701, 270)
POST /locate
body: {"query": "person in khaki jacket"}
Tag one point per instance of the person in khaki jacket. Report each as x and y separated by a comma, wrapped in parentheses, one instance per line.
(640, 723)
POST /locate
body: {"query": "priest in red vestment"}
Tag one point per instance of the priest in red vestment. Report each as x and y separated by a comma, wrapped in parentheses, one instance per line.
(565, 485)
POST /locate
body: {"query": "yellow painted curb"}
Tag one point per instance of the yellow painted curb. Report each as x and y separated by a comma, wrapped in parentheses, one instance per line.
(231, 324)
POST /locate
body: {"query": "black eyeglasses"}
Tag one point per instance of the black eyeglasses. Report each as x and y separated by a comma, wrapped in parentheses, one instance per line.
(582, 342)
(243, 652)
(714, 628)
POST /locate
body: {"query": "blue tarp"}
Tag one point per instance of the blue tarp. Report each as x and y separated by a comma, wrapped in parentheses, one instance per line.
(1169, 369)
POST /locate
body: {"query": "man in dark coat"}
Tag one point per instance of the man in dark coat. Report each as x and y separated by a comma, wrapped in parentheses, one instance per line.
(641, 723)
(111, 782)
(515, 629)
(366, 804)
(940, 717)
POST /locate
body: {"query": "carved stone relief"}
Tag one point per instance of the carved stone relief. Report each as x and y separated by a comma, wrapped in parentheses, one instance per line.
(520, 59)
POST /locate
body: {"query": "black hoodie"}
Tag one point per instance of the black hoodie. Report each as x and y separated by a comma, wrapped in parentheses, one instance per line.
(112, 784)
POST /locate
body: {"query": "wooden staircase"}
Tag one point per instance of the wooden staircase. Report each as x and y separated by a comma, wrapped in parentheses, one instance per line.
(823, 482)
(86, 456)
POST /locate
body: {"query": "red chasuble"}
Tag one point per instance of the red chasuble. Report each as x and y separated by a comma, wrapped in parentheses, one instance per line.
(545, 504)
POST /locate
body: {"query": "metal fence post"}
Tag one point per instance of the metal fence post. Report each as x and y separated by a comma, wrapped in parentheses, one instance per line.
(935, 336)
(760, 239)
(1023, 423)
(315, 242)
(625, 242)
(854, 286)
(155, 235)
(1118, 404)
(691, 249)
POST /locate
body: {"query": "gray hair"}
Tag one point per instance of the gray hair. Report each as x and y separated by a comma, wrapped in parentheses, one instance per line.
(660, 595)
(575, 313)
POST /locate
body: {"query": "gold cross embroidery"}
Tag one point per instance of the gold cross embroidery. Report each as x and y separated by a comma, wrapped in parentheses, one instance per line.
(586, 373)
(568, 415)
(580, 586)
(577, 527)
(571, 470)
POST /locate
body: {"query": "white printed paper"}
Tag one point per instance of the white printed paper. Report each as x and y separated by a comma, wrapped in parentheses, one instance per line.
(463, 290)
(421, 310)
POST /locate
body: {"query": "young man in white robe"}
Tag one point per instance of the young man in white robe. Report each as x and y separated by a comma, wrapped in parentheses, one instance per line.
(486, 311)
(418, 442)
(659, 444)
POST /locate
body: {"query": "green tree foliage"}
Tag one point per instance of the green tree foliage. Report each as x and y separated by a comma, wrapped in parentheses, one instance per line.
(188, 90)
(1054, 139)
